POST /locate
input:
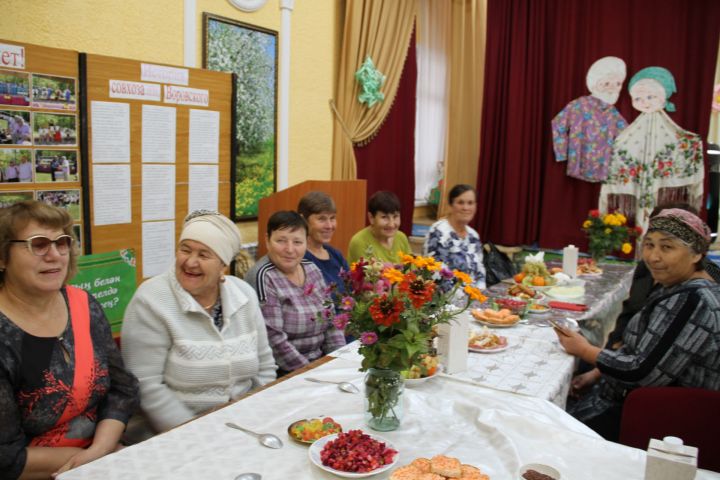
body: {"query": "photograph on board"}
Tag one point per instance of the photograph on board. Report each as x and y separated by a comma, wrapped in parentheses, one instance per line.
(54, 129)
(53, 93)
(67, 199)
(15, 165)
(56, 166)
(14, 88)
(77, 231)
(8, 199)
(15, 127)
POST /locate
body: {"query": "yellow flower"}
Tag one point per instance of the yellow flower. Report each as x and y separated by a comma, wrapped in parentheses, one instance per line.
(353, 266)
(462, 276)
(428, 263)
(474, 293)
(393, 275)
(608, 231)
(586, 224)
(621, 218)
(626, 248)
(406, 259)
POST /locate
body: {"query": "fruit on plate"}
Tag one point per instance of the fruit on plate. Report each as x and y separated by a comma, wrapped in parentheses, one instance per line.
(356, 451)
(426, 368)
(536, 274)
(516, 306)
(497, 317)
(310, 430)
(519, 277)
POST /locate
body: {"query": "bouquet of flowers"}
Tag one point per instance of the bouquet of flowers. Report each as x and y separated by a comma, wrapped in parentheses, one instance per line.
(392, 310)
(607, 233)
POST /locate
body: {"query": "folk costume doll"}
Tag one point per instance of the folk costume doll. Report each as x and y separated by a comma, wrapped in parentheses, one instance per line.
(584, 131)
(654, 160)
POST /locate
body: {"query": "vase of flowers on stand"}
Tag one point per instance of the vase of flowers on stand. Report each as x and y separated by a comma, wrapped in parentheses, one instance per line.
(392, 310)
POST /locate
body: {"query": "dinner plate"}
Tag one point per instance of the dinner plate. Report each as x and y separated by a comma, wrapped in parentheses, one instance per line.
(414, 382)
(490, 350)
(316, 448)
(539, 312)
(566, 293)
(496, 325)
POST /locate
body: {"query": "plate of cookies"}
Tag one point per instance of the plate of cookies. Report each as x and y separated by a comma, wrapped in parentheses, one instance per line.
(439, 467)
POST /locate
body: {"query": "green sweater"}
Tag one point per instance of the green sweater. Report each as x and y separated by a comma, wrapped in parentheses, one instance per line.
(363, 239)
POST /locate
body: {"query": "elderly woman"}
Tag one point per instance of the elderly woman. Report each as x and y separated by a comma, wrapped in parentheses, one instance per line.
(292, 292)
(453, 241)
(65, 395)
(673, 340)
(318, 210)
(195, 337)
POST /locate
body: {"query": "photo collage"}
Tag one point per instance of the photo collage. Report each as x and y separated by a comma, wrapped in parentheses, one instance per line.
(39, 147)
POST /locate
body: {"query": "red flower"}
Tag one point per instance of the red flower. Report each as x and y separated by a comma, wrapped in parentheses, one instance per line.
(420, 291)
(595, 213)
(386, 311)
(638, 229)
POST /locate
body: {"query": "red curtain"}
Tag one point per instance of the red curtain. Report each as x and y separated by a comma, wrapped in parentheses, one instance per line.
(388, 161)
(538, 53)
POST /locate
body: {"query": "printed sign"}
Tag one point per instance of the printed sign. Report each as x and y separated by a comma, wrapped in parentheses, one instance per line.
(12, 56)
(110, 278)
(187, 96)
(134, 90)
(161, 74)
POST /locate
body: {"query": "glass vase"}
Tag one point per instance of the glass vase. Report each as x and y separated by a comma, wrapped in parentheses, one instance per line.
(383, 399)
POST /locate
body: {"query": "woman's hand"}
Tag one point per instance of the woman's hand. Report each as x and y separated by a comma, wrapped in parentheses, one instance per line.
(81, 458)
(583, 382)
(575, 344)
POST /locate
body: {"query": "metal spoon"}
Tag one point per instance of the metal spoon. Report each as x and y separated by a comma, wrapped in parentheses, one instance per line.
(249, 476)
(267, 439)
(344, 386)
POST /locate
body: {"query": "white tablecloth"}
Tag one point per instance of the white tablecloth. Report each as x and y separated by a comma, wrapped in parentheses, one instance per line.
(493, 430)
(534, 364)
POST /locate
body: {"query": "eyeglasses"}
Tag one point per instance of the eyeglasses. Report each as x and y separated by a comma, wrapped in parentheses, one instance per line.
(40, 245)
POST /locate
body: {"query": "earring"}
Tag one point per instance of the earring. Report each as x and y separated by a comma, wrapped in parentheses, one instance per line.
(222, 278)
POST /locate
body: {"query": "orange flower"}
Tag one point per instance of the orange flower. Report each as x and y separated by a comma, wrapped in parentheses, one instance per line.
(406, 259)
(474, 293)
(386, 311)
(393, 275)
(420, 291)
(428, 263)
(463, 277)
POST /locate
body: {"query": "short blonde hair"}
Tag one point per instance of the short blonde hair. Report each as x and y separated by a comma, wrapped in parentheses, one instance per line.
(18, 216)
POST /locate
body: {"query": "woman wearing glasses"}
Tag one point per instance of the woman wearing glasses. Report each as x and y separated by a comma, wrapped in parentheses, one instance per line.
(65, 395)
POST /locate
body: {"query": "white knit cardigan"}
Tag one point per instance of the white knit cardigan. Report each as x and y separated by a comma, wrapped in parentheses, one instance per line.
(184, 364)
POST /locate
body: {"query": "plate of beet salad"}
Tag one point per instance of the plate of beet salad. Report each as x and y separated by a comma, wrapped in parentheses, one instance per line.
(353, 454)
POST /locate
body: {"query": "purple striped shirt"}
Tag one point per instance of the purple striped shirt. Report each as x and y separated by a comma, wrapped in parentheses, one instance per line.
(291, 316)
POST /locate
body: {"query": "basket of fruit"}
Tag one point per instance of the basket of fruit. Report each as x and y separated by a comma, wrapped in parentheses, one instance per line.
(535, 273)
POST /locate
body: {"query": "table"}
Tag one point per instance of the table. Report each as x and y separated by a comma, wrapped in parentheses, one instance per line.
(604, 295)
(496, 431)
(534, 364)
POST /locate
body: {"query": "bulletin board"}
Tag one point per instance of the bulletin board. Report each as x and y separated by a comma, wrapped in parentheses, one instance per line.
(40, 133)
(132, 91)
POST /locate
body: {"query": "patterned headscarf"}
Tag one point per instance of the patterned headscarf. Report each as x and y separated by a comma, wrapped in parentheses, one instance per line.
(663, 77)
(683, 225)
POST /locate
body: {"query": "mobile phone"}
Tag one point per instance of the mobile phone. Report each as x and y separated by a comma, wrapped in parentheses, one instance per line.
(560, 328)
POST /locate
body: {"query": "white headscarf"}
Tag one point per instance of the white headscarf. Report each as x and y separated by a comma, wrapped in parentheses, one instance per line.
(603, 67)
(214, 230)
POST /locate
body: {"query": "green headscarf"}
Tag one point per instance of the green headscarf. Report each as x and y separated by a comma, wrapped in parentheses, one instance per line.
(663, 77)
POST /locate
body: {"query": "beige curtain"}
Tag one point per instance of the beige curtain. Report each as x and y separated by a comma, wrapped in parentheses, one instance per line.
(467, 67)
(379, 29)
